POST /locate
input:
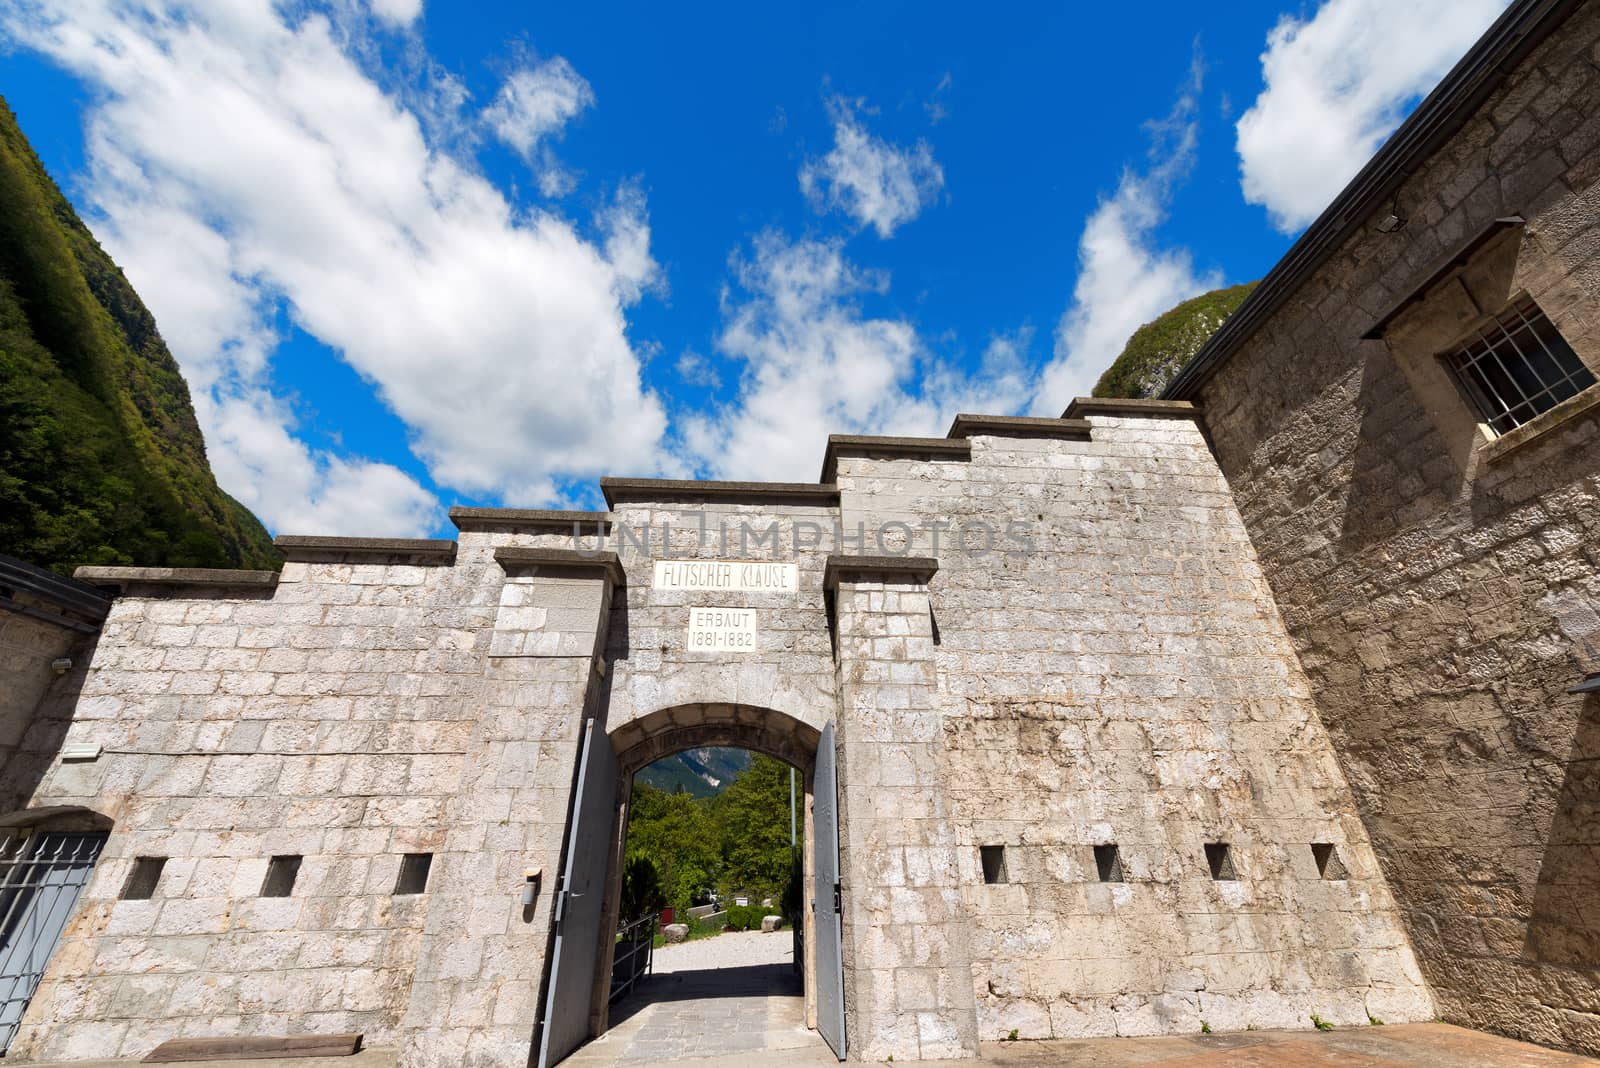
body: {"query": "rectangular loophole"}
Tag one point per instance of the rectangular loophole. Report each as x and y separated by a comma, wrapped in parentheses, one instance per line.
(281, 874)
(413, 877)
(1108, 863)
(1329, 866)
(1219, 858)
(142, 880)
(994, 863)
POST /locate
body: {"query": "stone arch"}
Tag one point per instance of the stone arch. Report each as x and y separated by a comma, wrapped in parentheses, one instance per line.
(55, 818)
(673, 729)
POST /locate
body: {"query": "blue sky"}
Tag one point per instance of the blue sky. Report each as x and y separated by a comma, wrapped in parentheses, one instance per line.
(411, 255)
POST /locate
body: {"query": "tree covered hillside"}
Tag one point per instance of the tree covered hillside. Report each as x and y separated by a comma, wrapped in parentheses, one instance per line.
(101, 459)
(1157, 350)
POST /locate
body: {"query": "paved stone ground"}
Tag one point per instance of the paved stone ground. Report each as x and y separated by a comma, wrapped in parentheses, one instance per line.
(733, 996)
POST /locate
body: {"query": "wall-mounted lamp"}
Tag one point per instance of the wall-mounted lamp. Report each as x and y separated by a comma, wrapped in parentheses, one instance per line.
(75, 751)
(61, 665)
(1389, 223)
(530, 887)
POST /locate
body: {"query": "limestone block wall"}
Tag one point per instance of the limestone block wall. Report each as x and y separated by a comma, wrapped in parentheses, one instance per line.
(1114, 672)
(327, 718)
(1441, 589)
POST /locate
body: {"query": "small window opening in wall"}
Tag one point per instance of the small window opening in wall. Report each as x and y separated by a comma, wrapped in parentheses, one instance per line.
(281, 873)
(1518, 368)
(1219, 857)
(413, 873)
(142, 880)
(1108, 862)
(994, 863)
(1329, 866)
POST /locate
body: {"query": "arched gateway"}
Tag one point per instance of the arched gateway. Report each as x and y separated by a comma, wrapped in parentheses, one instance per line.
(382, 791)
(577, 999)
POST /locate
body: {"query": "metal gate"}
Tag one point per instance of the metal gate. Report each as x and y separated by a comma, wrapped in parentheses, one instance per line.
(580, 900)
(825, 902)
(40, 879)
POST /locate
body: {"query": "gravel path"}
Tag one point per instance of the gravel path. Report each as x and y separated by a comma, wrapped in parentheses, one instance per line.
(732, 949)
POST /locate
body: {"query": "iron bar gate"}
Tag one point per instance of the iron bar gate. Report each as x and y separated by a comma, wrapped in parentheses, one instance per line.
(41, 876)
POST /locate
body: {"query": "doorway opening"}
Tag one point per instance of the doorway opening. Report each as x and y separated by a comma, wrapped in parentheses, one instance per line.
(709, 955)
(699, 856)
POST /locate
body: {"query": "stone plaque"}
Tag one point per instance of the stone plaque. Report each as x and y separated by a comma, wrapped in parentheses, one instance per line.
(721, 630)
(737, 576)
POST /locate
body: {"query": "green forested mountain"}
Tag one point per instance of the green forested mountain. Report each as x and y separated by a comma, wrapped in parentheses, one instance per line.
(1157, 350)
(101, 459)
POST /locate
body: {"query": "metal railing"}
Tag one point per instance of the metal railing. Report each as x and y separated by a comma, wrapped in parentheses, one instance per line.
(635, 953)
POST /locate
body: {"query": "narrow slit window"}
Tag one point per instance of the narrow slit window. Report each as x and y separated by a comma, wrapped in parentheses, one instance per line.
(1219, 858)
(1518, 367)
(994, 863)
(1108, 863)
(142, 880)
(1329, 866)
(413, 878)
(281, 874)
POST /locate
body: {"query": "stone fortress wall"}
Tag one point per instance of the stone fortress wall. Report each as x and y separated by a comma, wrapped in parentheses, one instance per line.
(1440, 585)
(1124, 667)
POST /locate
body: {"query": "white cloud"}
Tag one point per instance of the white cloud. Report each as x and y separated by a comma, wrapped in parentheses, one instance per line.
(532, 107)
(399, 12)
(875, 183)
(1124, 278)
(1336, 85)
(240, 160)
(815, 364)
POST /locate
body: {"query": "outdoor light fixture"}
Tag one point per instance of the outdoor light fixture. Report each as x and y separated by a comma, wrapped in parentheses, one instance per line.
(1389, 223)
(61, 665)
(530, 887)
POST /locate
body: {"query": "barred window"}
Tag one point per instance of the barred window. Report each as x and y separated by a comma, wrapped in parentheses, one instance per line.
(1518, 367)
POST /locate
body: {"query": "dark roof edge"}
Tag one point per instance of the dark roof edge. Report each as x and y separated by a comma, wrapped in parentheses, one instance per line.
(672, 489)
(301, 547)
(870, 445)
(64, 593)
(528, 519)
(1523, 26)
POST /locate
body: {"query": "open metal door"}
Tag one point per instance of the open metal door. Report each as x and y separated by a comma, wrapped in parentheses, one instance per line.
(826, 917)
(580, 900)
(40, 879)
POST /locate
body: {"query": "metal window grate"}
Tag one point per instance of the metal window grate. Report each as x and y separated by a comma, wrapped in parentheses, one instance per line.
(41, 876)
(1518, 368)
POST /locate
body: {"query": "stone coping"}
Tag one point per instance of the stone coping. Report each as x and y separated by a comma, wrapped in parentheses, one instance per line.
(529, 520)
(907, 569)
(871, 445)
(1019, 426)
(513, 557)
(301, 547)
(1135, 406)
(58, 591)
(179, 577)
(674, 489)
